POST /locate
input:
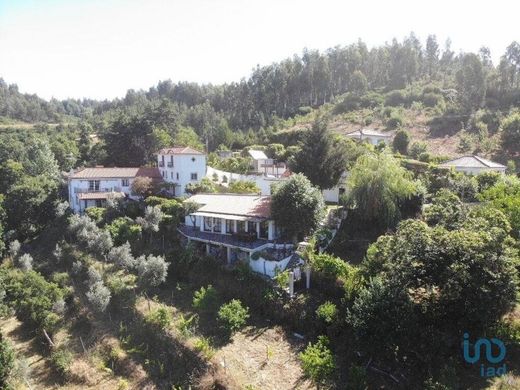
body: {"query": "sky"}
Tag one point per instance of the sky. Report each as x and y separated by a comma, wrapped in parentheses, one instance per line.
(101, 48)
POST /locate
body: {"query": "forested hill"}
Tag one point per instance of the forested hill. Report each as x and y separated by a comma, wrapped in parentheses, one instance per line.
(283, 89)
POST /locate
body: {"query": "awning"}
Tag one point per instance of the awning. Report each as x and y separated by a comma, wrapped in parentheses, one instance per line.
(99, 195)
(229, 216)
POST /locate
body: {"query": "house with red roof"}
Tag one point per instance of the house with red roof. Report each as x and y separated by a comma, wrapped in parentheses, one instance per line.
(92, 187)
(180, 166)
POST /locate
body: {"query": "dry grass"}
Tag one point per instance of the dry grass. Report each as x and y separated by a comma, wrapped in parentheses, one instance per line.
(263, 359)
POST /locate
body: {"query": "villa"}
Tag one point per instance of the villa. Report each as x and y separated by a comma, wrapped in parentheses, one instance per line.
(238, 227)
(92, 187)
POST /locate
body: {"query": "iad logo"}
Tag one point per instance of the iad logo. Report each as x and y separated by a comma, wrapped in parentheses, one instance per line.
(491, 369)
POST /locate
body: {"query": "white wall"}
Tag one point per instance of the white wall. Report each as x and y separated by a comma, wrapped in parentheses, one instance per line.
(262, 182)
(76, 186)
(477, 171)
(267, 267)
(183, 166)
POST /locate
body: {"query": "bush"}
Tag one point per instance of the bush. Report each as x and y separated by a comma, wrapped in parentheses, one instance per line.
(327, 312)
(233, 316)
(401, 141)
(124, 230)
(97, 214)
(395, 121)
(61, 359)
(317, 361)
(203, 345)
(330, 266)
(396, 98)
(432, 99)
(205, 299)
(417, 148)
(161, 318)
(7, 360)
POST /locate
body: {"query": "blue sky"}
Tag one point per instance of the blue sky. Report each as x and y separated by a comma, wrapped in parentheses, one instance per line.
(101, 48)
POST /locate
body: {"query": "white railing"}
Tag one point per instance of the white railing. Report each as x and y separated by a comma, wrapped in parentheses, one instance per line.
(104, 189)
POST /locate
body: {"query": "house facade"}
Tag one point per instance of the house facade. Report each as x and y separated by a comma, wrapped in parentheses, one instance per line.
(371, 136)
(181, 166)
(237, 227)
(92, 187)
(474, 165)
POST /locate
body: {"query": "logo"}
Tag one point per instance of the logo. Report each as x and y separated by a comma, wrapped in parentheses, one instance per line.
(492, 368)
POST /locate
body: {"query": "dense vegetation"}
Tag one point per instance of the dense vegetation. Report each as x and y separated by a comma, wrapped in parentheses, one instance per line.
(425, 254)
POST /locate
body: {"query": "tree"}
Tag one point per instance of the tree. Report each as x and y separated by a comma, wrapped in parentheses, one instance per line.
(401, 141)
(142, 186)
(432, 55)
(297, 206)
(379, 187)
(122, 256)
(7, 360)
(205, 185)
(151, 220)
(152, 270)
(358, 83)
(511, 133)
(318, 362)
(25, 262)
(430, 284)
(321, 158)
(233, 315)
(98, 296)
(186, 136)
(471, 82)
(243, 187)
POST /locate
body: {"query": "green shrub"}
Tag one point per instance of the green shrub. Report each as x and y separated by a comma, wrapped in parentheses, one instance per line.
(124, 229)
(203, 345)
(396, 98)
(97, 214)
(395, 120)
(317, 361)
(330, 266)
(61, 359)
(161, 318)
(232, 315)
(205, 299)
(327, 312)
(401, 141)
(7, 359)
(186, 325)
(432, 99)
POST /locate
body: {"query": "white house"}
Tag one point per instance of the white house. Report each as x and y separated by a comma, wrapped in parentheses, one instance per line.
(371, 136)
(91, 187)
(237, 227)
(265, 165)
(333, 195)
(181, 166)
(473, 165)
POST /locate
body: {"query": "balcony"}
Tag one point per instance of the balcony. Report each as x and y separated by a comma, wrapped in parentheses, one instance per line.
(239, 240)
(170, 164)
(161, 164)
(91, 190)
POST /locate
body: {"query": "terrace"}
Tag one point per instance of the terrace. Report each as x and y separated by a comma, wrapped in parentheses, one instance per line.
(236, 240)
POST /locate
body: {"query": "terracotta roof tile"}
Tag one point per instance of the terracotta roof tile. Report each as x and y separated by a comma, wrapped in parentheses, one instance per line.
(180, 150)
(107, 173)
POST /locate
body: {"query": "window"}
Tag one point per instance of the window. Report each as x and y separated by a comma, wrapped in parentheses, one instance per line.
(171, 175)
(170, 163)
(125, 183)
(177, 175)
(93, 185)
(229, 226)
(193, 176)
(217, 225)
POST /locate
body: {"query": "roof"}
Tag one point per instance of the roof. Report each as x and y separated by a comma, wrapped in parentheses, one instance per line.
(180, 150)
(368, 132)
(106, 173)
(472, 162)
(253, 206)
(99, 195)
(257, 155)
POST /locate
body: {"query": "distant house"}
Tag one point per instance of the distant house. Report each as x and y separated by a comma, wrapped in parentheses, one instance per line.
(333, 195)
(371, 136)
(91, 187)
(265, 165)
(473, 165)
(181, 166)
(236, 227)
